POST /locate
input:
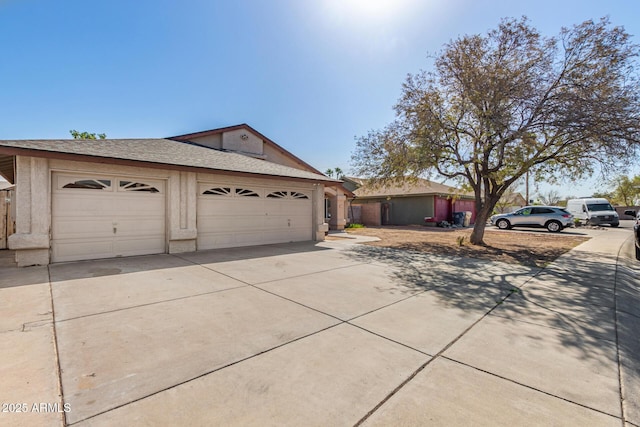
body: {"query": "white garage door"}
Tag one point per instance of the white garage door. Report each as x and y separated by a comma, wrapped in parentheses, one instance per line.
(247, 215)
(106, 216)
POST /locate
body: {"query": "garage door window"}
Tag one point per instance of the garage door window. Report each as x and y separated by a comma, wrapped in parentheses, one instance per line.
(218, 191)
(243, 192)
(90, 184)
(137, 186)
(287, 195)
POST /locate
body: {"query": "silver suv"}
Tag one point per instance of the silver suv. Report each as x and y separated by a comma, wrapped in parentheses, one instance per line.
(553, 218)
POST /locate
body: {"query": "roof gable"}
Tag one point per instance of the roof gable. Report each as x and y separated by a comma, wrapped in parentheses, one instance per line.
(236, 136)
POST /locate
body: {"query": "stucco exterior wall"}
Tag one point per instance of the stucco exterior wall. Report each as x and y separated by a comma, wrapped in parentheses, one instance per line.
(371, 214)
(242, 141)
(275, 156)
(33, 214)
(33, 203)
(211, 141)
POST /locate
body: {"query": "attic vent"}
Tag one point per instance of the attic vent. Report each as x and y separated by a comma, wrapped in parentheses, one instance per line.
(90, 184)
(243, 192)
(218, 191)
(137, 186)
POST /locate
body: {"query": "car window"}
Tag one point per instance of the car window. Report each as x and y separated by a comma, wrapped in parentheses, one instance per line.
(525, 211)
(596, 207)
(538, 211)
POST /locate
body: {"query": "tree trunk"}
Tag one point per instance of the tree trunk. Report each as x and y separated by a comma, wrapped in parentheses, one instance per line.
(482, 215)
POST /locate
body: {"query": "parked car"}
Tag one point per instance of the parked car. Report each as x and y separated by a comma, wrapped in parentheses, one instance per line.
(553, 218)
(636, 230)
(593, 211)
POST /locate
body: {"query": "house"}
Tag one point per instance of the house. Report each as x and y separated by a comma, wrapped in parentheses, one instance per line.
(228, 187)
(510, 202)
(409, 202)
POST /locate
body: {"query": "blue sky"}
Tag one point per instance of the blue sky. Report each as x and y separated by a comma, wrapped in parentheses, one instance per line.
(309, 74)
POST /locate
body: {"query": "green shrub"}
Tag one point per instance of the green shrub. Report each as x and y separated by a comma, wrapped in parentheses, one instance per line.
(354, 225)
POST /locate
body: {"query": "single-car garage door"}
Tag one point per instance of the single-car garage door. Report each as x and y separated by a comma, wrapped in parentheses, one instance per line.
(106, 216)
(244, 215)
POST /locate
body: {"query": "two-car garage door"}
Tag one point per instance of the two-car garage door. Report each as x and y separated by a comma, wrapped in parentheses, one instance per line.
(243, 215)
(106, 216)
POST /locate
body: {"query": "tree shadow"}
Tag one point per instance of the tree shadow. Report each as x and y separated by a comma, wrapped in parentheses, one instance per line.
(575, 295)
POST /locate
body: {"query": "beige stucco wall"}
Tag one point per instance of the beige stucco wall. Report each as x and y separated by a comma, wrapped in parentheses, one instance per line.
(31, 240)
(275, 156)
(33, 214)
(243, 141)
(371, 214)
(212, 141)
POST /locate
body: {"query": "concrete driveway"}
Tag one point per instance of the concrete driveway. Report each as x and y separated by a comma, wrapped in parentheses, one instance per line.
(334, 333)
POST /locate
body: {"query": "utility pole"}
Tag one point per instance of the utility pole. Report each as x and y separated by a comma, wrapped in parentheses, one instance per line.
(527, 186)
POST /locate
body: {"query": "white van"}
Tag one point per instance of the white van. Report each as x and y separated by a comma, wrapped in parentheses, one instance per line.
(593, 211)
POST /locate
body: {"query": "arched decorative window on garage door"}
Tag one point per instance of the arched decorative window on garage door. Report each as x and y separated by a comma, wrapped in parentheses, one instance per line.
(243, 192)
(287, 195)
(218, 191)
(137, 186)
(90, 184)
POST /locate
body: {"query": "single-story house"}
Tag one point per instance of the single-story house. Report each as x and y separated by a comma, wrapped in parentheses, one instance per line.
(510, 203)
(228, 187)
(409, 203)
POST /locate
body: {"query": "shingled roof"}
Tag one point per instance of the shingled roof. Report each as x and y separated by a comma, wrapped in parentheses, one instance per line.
(421, 187)
(153, 152)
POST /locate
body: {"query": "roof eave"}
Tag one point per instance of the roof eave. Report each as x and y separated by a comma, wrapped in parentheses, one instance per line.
(17, 151)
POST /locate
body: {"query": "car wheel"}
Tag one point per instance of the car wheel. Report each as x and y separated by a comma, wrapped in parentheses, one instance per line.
(554, 226)
(503, 224)
(637, 253)
(615, 224)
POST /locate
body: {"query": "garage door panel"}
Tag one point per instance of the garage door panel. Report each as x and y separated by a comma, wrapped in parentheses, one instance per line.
(228, 206)
(227, 220)
(138, 246)
(137, 227)
(78, 228)
(77, 249)
(127, 217)
(140, 207)
(81, 204)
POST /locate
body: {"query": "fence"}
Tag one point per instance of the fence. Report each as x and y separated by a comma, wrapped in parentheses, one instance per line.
(7, 216)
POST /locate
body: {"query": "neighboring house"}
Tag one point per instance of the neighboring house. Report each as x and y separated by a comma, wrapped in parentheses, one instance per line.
(87, 199)
(409, 203)
(510, 203)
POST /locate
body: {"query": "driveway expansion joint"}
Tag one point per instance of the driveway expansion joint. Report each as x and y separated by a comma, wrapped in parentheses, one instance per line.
(530, 387)
(63, 415)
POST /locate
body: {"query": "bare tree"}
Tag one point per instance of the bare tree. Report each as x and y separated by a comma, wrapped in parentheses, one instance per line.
(550, 198)
(512, 101)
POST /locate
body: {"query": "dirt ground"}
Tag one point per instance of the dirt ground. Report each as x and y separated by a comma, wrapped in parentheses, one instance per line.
(533, 249)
